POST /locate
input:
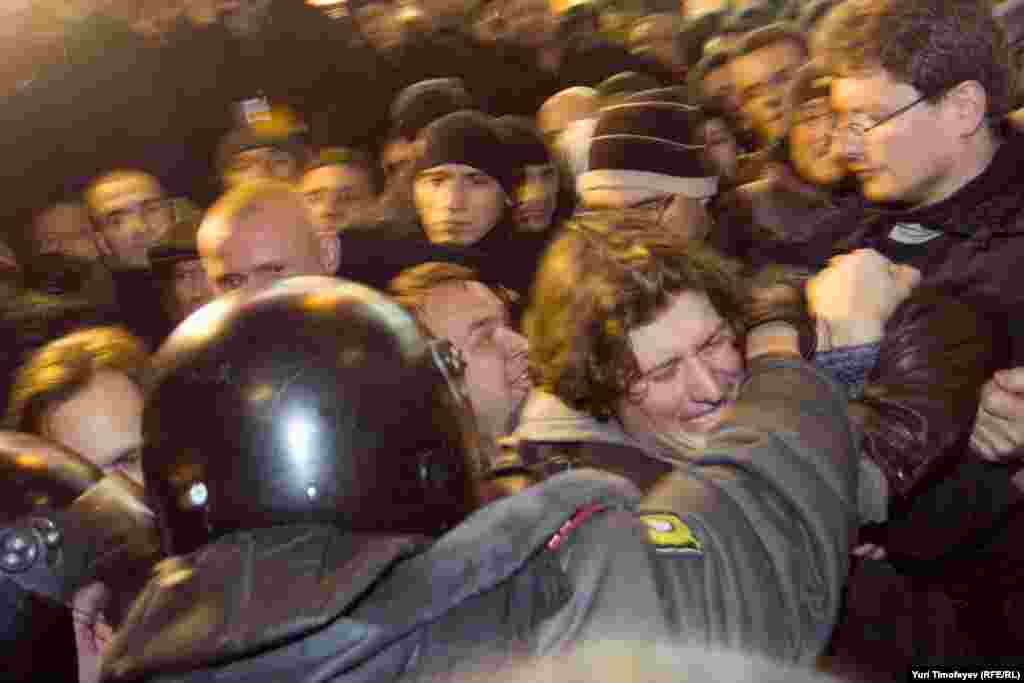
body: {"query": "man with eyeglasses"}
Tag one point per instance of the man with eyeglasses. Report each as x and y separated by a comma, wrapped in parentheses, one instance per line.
(920, 89)
(648, 157)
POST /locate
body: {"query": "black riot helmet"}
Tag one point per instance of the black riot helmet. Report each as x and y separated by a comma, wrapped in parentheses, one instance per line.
(315, 400)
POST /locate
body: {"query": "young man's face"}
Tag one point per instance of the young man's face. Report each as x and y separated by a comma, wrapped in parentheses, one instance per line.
(537, 197)
(102, 423)
(912, 156)
(336, 192)
(132, 214)
(476, 321)
(813, 146)
(691, 371)
(762, 79)
(457, 204)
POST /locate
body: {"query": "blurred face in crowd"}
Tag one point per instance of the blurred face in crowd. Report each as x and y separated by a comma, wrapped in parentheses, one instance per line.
(718, 86)
(537, 197)
(397, 155)
(65, 229)
(102, 422)
(762, 79)
(476, 321)
(656, 36)
(244, 17)
(335, 192)
(381, 25)
(131, 214)
(526, 22)
(677, 213)
(722, 149)
(901, 148)
(813, 147)
(270, 241)
(260, 163)
(191, 289)
(690, 373)
(457, 204)
(443, 11)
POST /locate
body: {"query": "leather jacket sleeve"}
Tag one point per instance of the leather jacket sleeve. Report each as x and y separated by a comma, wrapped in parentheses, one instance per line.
(918, 406)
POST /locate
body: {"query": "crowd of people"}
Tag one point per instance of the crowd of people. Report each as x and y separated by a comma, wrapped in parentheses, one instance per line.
(558, 343)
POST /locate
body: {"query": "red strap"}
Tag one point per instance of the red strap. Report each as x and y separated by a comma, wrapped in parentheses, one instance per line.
(578, 518)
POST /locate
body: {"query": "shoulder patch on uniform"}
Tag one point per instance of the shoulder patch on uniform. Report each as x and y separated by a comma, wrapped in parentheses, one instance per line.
(669, 534)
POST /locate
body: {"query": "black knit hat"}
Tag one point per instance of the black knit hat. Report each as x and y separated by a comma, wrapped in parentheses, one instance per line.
(423, 102)
(470, 138)
(523, 141)
(650, 141)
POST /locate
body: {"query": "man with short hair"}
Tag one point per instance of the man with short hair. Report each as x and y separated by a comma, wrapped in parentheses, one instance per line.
(763, 65)
(338, 184)
(131, 212)
(919, 88)
(452, 303)
(259, 233)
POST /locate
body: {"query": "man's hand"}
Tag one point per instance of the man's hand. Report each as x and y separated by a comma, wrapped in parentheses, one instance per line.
(857, 293)
(999, 429)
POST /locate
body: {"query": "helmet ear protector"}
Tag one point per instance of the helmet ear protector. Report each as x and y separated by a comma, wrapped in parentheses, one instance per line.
(435, 468)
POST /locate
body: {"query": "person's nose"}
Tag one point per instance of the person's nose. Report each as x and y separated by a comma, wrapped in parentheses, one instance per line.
(531, 190)
(513, 343)
(705, 384)
(455, 195)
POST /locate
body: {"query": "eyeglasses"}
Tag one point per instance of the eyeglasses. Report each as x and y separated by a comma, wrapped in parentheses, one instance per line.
(859, 127)
(651, 210)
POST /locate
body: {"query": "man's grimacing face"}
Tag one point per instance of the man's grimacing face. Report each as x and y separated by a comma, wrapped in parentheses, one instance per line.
(690, 374)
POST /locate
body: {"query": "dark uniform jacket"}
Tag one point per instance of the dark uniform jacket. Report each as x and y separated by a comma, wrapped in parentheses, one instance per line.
(745, 548)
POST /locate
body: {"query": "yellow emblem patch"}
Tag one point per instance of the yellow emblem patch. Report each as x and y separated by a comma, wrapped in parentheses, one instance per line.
(669, 534)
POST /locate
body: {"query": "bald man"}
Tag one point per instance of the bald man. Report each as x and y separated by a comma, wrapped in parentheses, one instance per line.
(259, 233)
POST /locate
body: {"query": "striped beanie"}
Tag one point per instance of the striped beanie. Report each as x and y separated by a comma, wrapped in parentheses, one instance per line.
(651, 141)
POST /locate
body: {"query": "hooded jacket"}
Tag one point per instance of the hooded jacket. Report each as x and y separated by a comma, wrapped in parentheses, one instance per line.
(745, 549)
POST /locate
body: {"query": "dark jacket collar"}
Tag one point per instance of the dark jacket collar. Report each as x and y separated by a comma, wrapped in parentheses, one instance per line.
(987, 205)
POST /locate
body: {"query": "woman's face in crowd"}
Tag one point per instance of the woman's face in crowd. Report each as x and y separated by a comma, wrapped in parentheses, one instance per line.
(537, 197)
(690, 373)
(457, 204)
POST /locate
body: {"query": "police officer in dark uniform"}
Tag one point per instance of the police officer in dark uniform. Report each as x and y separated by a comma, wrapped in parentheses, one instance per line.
(313, 467)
